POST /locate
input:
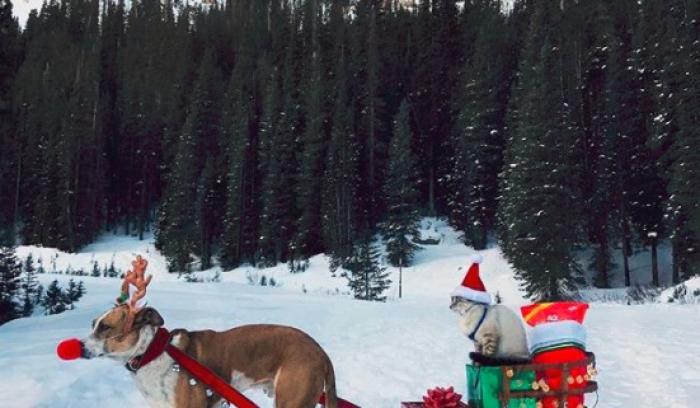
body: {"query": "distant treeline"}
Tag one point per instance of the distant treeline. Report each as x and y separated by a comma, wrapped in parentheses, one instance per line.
(268, 131)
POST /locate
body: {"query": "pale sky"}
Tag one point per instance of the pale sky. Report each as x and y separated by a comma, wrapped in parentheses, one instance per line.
(21, 8)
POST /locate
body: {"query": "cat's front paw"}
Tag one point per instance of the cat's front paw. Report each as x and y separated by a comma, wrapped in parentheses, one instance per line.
(488, 349)
(489, 345)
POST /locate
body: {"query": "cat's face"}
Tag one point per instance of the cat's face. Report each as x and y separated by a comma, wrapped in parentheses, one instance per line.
(461, 306)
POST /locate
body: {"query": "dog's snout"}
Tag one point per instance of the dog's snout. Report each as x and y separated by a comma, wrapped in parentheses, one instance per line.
(84, 353)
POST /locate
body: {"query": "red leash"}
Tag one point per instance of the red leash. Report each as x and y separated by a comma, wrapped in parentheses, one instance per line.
(213, 381)
(161, 343)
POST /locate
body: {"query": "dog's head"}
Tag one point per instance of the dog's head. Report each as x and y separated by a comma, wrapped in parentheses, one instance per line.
(112, 337)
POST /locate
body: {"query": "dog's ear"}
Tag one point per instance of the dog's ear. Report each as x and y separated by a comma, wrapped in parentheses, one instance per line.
(148, 315)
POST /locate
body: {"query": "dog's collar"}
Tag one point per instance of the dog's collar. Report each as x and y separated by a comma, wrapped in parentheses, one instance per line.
(160, 341)
(472, 335)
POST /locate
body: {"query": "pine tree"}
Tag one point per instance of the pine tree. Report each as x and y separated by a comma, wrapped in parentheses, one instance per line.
(366, 277)
(112, 270)
(55, 300)
(402, 196)
(10, 271)
(540, 197)
(634, 169)
(238, 122)
(340, 207)
(205, 209)
(30, 289)
(277, 218)
(178, 233)
(75, 291)
(430, 95)
(369, 107)
(600, 179)
(308, 232)
(278, 161)
(95, 269)
(677, 120)
(10, 53)
(476, 142)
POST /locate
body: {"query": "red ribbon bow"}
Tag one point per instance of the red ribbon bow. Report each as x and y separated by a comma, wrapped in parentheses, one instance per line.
(440, 397)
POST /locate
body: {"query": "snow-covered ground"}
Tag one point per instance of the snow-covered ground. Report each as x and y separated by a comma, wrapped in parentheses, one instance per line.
(384, 353)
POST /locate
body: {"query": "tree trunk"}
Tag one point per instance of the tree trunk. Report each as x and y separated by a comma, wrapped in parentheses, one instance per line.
(603, 258)
(625, 260)
(144, 203)
(372, 113)
(626, 245)
(654, 263)
(676, 269)
(431, 183)
(18, 183)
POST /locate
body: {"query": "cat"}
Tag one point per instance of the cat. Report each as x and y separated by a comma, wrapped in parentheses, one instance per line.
(495, 329)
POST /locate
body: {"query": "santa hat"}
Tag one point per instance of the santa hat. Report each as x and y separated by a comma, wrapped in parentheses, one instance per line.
(472, 288)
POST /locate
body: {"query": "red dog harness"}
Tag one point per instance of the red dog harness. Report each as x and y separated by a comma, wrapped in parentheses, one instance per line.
(161, 343)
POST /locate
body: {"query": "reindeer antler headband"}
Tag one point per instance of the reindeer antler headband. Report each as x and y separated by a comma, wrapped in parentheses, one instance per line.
(136, 277)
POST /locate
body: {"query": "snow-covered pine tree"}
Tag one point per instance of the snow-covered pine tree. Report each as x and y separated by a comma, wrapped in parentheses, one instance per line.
(40, 269)
(653, 102)
(341, 181)
(54, 181)
(476, 143)
(637, 187)
(178, 235)
(10, 271)
(540, 203)
(74, 292)
(112, 270)
(28, 265)
(678, 118)
(278, 146)
(599, 178)
(206, 205)
(237, 122)
(401, 193)
(367, 278)
(369, 107)
(308, 241)
(55, 299)
(10, 57)
(95, 269)
(30, 289)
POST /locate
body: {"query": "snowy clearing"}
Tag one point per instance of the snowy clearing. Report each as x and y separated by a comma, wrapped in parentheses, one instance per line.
(383, 353)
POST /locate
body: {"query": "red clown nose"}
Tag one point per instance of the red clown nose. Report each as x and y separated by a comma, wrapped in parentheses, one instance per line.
(70, 349)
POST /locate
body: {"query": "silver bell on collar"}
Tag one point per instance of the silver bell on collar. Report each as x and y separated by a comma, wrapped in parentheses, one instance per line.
(193, 382)
(176, 368)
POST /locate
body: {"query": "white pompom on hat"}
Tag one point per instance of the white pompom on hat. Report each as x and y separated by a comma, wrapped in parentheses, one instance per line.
(472, 288)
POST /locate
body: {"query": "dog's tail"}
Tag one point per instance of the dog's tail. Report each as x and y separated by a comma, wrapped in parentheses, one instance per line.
(331, 400)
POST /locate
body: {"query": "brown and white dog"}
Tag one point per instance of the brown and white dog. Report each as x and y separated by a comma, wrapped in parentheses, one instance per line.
(285, 362)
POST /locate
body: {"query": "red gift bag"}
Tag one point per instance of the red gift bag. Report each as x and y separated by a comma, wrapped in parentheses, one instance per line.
(558, 336)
